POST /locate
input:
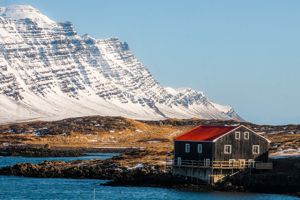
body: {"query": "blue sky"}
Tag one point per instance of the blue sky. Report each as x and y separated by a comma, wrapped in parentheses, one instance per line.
(242, 53)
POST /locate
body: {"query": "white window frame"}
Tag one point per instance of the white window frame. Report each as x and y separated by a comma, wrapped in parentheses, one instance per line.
(187, 148)
(230, 149)
(248, 135)
(199, 148)
(207, 162)
(251, 163)
(258, 149)
(178, 161)
(237, 135)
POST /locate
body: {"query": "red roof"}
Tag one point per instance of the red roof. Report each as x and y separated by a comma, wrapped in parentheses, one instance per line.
(204, 133)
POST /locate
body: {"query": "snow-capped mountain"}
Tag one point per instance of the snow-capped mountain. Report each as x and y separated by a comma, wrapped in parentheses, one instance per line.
(49, 72)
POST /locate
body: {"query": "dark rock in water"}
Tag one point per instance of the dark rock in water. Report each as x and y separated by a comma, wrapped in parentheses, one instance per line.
(96, 169)
(155, 176)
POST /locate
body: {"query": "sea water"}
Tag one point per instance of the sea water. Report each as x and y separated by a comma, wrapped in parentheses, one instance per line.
(19, 188)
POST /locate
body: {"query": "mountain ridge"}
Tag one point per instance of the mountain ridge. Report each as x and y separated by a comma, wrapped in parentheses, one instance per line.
(49, 72)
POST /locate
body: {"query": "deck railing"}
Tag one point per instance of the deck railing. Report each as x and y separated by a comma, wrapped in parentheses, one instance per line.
(237, 164)
(233, 164)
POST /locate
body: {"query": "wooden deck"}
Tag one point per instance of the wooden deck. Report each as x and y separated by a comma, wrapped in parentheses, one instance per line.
(214, 171)
(238, 164)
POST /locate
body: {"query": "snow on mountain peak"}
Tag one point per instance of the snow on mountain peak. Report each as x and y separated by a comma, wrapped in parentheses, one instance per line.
(49, 72)
(17, 12)
(171, 90)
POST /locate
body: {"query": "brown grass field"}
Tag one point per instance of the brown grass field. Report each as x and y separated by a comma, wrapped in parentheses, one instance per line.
(155, 138)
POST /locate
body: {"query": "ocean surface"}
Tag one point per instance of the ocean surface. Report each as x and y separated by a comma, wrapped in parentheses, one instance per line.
(18, 188)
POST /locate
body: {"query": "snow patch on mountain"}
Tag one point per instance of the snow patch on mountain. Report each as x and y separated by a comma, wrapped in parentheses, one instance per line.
(49, 72)
(223, 108)
(17, 12)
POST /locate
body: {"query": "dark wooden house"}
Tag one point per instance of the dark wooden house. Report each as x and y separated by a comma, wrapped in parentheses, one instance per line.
(212, 152)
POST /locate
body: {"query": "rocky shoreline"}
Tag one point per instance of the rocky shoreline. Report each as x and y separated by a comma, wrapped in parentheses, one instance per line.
(60, 169)
(140, 175)
(118, 173)
(29, 151)
(45, 151)
(95, 169)
(283, 178)
(118, 170)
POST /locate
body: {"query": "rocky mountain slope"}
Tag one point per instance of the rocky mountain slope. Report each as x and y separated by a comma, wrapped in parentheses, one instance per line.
(49, 72)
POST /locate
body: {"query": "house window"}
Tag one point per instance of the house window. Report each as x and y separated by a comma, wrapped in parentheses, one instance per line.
(246, 135)
(227, 149)
(255, 149)
(199, 148)
(237, 135)
(187, 148)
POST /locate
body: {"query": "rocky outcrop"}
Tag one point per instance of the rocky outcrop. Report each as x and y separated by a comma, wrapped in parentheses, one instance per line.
(283, 178)
(55, 169)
